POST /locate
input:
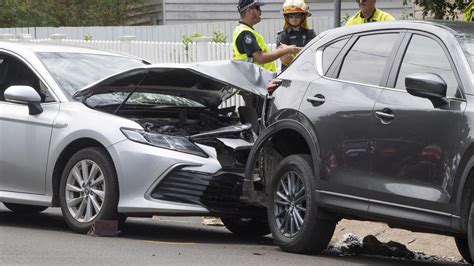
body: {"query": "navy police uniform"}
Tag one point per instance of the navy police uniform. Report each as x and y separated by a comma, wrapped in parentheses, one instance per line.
(291, 37)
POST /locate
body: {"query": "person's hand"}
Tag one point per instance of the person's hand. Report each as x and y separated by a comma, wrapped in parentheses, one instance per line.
(295, 49)
(290, 49)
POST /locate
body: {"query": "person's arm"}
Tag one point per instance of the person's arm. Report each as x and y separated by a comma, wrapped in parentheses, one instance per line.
(249, 43)
(266, 57)
(282, 38)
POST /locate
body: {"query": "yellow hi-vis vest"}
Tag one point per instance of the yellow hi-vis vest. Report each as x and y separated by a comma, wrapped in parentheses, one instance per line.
(260, 41)
(378, 16)
(469, 12)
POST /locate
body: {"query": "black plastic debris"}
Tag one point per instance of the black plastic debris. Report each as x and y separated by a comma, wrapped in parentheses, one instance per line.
(104, 228)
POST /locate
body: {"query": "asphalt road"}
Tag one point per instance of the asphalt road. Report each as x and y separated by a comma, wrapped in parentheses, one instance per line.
(45, 239)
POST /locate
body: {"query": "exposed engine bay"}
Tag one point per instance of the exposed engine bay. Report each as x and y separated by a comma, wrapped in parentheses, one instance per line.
(222, 129)
(179, 107)
(185, 122)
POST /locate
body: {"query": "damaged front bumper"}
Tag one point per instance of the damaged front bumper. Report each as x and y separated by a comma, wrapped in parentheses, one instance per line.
(219, 193)
(161, 181)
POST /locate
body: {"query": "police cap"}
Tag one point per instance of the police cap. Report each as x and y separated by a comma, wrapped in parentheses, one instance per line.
(245, 4)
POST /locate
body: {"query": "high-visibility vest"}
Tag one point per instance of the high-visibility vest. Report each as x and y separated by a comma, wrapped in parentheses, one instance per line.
(469, 12)
(378, 16)
(260, 41)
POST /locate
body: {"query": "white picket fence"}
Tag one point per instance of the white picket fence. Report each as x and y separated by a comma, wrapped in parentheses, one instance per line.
(158, 52)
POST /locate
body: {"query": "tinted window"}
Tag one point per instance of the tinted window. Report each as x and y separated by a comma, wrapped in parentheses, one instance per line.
(330, 53)
(425, 55)
(366, 60)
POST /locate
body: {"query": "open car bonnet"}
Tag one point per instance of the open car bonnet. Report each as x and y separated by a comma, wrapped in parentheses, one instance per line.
(208, 83)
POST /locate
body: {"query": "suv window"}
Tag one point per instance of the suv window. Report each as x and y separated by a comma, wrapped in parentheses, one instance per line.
(366, 60)
(15, 72)
(330, 53)
(425, 55)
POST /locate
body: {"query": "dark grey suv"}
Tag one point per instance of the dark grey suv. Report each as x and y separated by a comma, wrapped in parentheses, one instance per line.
(371, 122)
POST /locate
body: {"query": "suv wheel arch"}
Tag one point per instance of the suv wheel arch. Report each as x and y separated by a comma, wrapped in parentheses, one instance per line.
(308, 135)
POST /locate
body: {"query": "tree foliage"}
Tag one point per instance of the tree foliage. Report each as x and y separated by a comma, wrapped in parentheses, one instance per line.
(442, 9)
(55, 13)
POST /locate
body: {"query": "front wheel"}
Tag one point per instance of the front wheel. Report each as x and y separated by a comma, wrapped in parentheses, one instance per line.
(463, 248)
(24, 209)
(247, 227)
(292, 213)
(465, 245)
(88, 189)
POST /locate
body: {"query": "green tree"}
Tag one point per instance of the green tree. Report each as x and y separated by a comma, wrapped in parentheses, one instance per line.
(55, 13)
(442, 9)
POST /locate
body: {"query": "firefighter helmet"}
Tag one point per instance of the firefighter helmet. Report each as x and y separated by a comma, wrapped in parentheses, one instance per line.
(295, 6)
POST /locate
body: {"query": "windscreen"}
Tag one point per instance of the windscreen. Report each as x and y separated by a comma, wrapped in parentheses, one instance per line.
(154, 100)
(73, 71)
(468, 47)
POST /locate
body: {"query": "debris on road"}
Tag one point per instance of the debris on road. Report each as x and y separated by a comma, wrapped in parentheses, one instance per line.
(212, 221)
(350, 244)
(104, 228)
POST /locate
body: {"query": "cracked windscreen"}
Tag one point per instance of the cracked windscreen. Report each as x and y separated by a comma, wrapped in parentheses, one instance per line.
(153, 100)
(73, 71)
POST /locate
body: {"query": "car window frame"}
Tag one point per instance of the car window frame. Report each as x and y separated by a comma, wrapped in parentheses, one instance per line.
(36, 73)
(334, 73)
(391, 82)
(334, 62)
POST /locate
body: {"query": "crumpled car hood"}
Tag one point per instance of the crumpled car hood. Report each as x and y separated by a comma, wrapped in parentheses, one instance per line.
(208, 83)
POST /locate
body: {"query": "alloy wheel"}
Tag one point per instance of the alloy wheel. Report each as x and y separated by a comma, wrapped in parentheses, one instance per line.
(85, 191)
(290, 204)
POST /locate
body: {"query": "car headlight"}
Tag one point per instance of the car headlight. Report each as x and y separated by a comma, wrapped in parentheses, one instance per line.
(177, 143)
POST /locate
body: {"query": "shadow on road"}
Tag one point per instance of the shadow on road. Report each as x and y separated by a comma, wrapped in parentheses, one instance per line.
(166, 229)
(182, 230)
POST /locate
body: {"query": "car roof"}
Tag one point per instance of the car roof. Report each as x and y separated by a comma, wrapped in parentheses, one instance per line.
(454, 27)
(34, 47)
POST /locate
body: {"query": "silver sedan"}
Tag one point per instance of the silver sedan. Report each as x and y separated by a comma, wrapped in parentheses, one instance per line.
(105, 136)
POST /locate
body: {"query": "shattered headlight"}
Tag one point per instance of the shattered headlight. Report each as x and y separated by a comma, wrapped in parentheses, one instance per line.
(177, 143)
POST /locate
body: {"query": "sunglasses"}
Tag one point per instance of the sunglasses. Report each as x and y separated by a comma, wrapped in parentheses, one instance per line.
(294, 15)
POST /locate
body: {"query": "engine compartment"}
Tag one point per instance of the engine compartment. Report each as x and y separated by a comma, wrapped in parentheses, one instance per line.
(183, 122)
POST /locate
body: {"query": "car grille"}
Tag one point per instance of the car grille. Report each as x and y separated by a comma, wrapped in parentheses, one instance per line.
(219, 193)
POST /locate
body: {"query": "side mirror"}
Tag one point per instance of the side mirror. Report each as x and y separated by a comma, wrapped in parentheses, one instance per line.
(427, 85)
(25, 95)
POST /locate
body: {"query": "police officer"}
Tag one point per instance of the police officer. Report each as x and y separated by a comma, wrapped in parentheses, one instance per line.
(368, 13)
(249, 45)
(295, 31)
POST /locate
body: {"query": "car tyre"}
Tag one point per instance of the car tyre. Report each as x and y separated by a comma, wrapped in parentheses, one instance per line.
(88, 189)
(463, 248)
(24, 209)
(465, 245)
(247, 227)
(293, 216)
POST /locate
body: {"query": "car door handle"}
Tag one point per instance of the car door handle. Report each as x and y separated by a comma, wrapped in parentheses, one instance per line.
(317, 100)
(385, 114)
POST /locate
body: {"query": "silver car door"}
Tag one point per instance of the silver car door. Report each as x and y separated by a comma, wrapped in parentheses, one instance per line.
(24, 138)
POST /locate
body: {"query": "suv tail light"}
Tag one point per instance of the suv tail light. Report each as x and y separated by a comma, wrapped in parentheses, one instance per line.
(273, 85)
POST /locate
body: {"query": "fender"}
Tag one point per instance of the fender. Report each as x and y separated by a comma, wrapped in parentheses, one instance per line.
(248, 192)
